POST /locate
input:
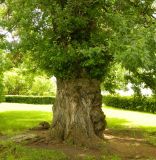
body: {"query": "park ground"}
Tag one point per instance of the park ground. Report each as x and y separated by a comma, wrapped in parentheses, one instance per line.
(129, 135)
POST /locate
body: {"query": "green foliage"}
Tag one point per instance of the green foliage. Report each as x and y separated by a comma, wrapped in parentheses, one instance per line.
(29, 99)
(21, 81)
(14, 82)
(42, 86)
(75, 39)
(1, 89)
(115, 79)
(139, 57)
(131, 103)
(65, 38)
(1, 77)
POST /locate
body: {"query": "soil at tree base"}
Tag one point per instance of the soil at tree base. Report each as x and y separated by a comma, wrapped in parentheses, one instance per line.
(121, 143)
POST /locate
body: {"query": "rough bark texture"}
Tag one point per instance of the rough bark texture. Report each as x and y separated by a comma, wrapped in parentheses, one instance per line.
(77, 113)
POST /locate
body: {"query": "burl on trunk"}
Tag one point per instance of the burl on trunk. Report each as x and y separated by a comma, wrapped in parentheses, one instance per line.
(77, 113)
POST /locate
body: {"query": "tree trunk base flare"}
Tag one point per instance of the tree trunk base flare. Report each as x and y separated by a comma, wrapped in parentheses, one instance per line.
(77, 115)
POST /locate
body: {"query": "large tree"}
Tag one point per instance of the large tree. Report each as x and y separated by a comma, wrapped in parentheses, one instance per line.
(77, 41)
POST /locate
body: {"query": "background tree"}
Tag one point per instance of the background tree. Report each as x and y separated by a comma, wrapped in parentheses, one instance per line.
(22, 81)
(1, 77)
(140, 59)
(134, 44)
(115, 79)
(76, 41)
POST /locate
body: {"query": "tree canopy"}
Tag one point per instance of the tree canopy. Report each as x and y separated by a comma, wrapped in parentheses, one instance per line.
(71, 39)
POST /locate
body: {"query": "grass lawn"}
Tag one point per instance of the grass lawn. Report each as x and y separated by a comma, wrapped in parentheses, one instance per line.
(19, 152)
(14, 122)
(119, 119)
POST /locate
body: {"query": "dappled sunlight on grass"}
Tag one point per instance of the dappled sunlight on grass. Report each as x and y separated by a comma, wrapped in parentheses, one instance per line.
(130, 119)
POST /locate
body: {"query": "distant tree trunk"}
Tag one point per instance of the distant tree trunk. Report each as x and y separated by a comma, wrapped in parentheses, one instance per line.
(77, 113)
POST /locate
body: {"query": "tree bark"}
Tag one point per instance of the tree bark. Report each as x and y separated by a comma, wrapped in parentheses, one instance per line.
(77, 114)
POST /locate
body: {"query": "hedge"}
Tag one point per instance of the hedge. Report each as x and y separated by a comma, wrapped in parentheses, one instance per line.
(143, 104)
(131, 103)
(29, 99)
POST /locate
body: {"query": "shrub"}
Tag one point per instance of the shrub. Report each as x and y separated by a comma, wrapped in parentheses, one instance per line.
(19, 81)
(14, 82)
(42, 86)
(144, 104)
(29, 99)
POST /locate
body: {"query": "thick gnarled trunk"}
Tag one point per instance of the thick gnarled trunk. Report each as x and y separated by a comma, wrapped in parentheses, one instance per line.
(77, 113)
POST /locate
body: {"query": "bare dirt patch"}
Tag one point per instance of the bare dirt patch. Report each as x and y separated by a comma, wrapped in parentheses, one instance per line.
(127, 144)
(74, 152)
(130, 144)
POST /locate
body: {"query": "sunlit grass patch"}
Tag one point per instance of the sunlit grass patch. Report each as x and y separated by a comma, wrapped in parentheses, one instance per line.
(13, 122)
(118, 118)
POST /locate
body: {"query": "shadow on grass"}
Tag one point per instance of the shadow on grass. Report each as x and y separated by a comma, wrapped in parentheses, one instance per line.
(119, 127)
(13, 122)
(117, 123)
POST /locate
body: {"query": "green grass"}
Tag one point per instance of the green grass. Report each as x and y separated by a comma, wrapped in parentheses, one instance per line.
(19, 152)
(123, 119)
(18, 121)
(14, 122)
(145, 123)
(12, 151)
